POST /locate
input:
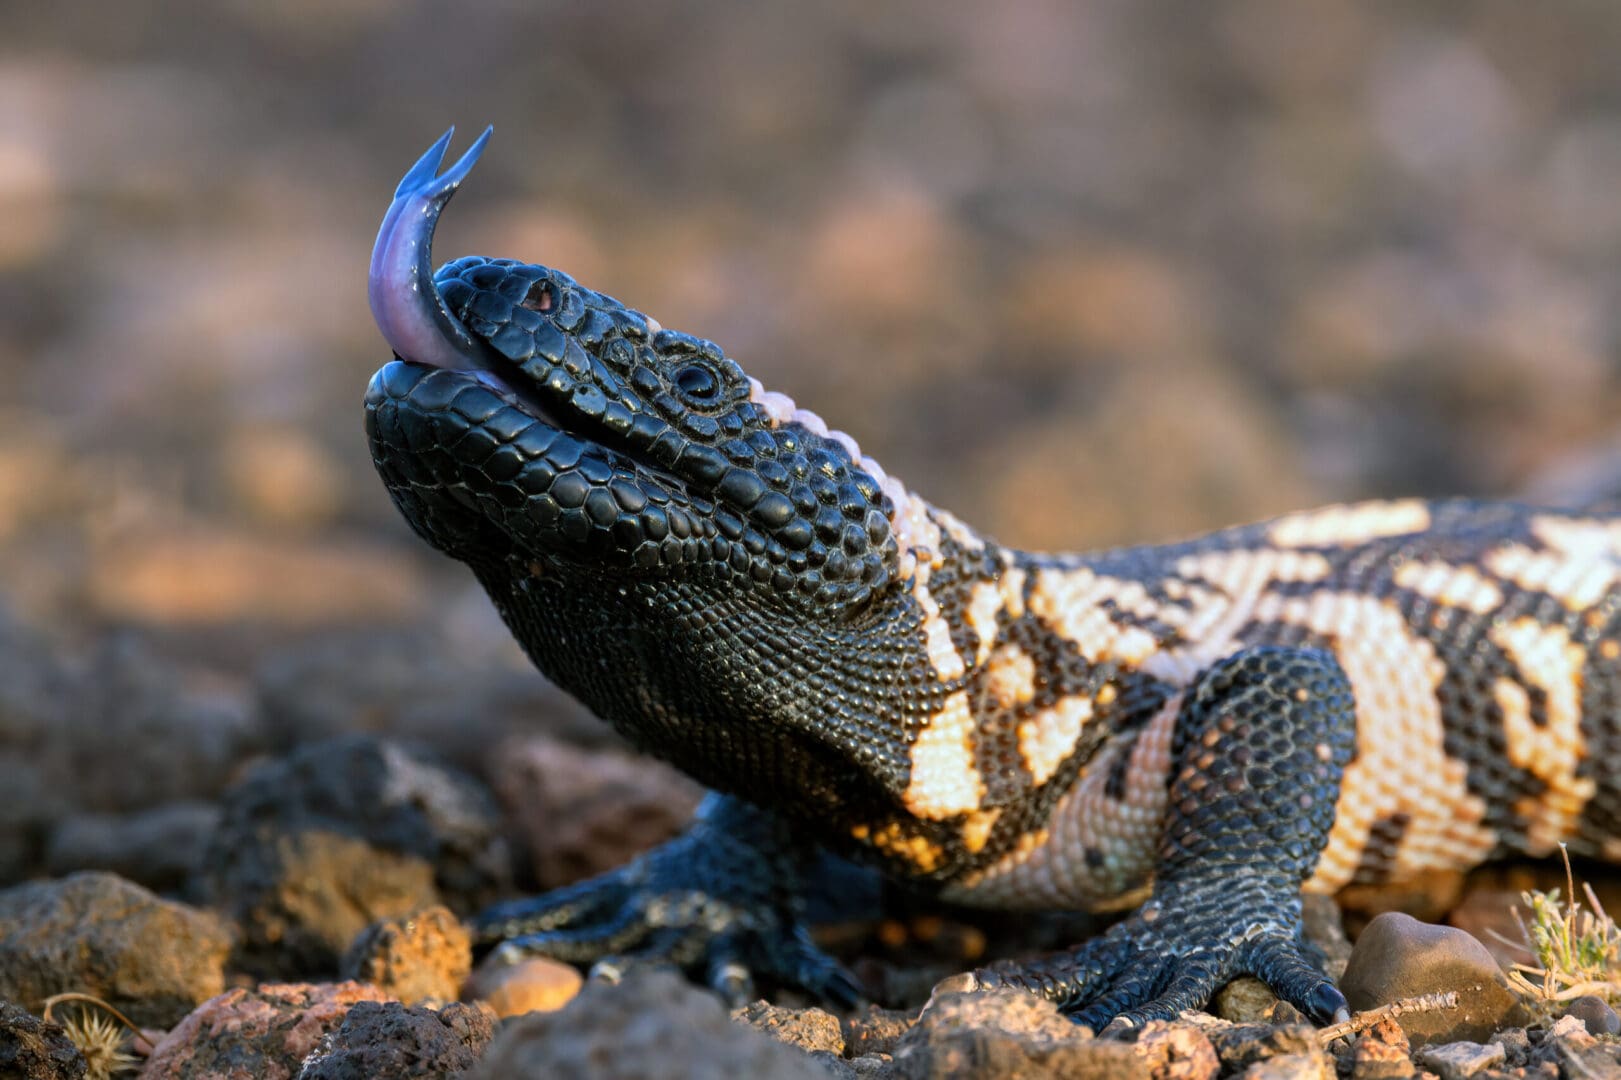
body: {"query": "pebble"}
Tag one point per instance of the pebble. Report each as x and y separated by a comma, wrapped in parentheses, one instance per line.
(421, 957)
(1460, 1060)
(1596, 1014)
(650, 1024)
(534, 984)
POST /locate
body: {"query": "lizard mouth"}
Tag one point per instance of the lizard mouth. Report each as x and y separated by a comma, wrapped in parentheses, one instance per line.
(548, 470)
(579, 427)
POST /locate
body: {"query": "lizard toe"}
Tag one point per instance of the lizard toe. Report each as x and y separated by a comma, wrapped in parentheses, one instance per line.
(1285, 964)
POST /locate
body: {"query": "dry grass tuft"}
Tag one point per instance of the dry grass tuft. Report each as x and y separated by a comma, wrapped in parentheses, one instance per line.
(1577, 952)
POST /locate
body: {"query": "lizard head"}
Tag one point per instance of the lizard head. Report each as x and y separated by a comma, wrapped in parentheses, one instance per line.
(525, 404)
(701, 562)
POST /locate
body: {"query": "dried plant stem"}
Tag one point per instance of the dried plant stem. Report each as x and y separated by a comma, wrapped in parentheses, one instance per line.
(1364, 1020)
(85, 999)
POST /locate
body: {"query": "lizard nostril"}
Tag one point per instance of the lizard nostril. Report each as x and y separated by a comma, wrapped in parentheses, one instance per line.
(539, 297)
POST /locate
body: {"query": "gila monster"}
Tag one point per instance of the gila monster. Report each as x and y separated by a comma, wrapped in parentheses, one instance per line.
(1200, 730)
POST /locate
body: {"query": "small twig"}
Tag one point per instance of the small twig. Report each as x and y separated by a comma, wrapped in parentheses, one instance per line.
(1364, 1020)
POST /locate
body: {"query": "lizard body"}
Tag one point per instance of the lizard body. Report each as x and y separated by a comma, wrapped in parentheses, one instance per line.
(1357, 693)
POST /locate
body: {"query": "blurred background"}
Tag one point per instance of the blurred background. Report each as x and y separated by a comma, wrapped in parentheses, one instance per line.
(1083, 272)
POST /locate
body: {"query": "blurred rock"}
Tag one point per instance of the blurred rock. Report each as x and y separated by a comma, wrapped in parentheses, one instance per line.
(653, 1024)
(875, 1030)
(95, 933)
(265, 1033)
(32, 1049)
(1283, 1051)
(1008, 1034)
(1399, 957)
(138, 736)
(211, 575)
(390, 1041)
(1460, 1060)
(408, 684)
(533, 984)
(1595, 1014)
(581, 812)
(160, 848)
(422, 957)
(1177, 1051)
(809, 1029)
(315, 846)
(1382, 1053)
(281, 476)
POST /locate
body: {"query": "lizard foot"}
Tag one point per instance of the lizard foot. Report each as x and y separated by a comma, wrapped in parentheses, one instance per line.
(719, 901)
(1174, 953)
(1258, 751)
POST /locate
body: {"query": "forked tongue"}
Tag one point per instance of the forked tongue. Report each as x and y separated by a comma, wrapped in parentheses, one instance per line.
(408, 308)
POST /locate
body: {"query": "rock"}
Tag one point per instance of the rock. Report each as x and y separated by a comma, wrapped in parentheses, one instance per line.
(139, 736)
(390, 1041)
(95, 933)
(809, 1029)
(160, 848)
(264, 1033)
(411, 685)
(36, 692)
(1382, 1053)
(652, 1024)
(314, 847)
(534, 984)
(1428, 896)
(1460, 1060)
(203, 573)
(1245, 1000)
(1568, 1046)
(1243, 1046)
(1398, 957)
(424, 956)
(581, 812)
(1596, 1014)
(1007, 1033)
(1177, 1051)
(1290, 1067)
(34, 1049)
(875, 1030)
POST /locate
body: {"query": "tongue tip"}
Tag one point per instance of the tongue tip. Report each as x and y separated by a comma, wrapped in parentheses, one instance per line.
(405, 304)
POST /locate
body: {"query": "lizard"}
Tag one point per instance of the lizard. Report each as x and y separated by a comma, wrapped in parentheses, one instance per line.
(1196, 733)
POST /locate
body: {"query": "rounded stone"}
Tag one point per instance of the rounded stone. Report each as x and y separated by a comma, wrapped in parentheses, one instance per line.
(1596, 1014)
(534, 984)
(1399, 957)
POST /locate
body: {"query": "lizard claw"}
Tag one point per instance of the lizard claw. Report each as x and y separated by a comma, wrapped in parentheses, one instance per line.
(1154, 969)
(712, 902)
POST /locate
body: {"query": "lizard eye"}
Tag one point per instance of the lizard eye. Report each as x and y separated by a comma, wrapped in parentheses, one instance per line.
(698, 383)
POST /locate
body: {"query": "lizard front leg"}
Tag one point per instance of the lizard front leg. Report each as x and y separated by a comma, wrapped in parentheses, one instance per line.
(721, 901)
(1258, 752)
